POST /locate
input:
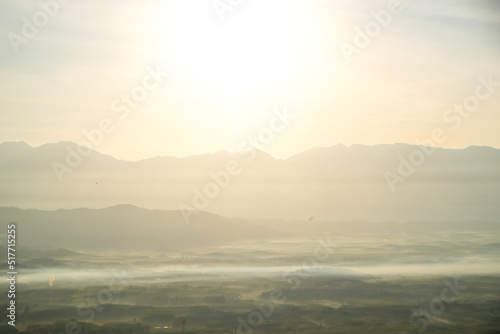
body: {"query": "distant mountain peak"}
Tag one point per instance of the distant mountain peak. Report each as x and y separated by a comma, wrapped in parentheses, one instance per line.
(18, 144)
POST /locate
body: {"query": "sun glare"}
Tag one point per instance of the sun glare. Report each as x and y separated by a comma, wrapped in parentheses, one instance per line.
(254, 47)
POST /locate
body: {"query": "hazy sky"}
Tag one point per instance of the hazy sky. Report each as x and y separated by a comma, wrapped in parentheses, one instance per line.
(225, 76)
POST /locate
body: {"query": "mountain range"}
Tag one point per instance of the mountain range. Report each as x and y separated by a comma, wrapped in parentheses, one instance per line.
(399, 182)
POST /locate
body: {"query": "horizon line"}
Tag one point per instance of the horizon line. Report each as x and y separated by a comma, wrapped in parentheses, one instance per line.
(238, 152)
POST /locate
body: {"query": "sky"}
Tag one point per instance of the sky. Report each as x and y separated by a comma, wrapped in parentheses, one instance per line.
(203, 76)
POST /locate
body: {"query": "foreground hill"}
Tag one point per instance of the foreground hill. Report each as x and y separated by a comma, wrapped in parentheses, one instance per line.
(125, 227)
(128, 228)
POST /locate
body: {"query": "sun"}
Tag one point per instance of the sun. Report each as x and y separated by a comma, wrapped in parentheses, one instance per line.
(255, 46)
